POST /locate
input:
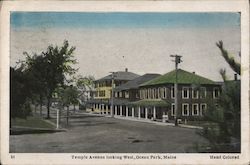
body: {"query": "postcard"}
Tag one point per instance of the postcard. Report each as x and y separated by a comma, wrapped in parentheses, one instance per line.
(125, 82)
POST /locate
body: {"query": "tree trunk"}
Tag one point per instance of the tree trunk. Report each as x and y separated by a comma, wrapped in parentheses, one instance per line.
(41, 105)
(67, 115)
(48, 107)
(74, 108)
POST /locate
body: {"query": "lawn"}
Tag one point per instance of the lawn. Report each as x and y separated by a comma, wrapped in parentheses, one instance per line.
(31, 121)
(200, 123)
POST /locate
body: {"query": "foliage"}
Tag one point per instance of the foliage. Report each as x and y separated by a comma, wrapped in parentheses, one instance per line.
(50, 70)
(69, 95)
(19, 93)
(224, 134)
(84, 84)
(230, 60)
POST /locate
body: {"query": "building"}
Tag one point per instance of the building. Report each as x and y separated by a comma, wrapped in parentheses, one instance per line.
(103, 90)
(152, 96)
(129, 92)
(194, 94)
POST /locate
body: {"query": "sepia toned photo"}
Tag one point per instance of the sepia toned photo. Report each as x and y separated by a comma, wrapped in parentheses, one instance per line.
(127, 86)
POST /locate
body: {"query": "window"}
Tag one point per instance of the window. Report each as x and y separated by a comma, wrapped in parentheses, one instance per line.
(172, 93)
(172, 109)
(185, 92)
(120, 94)
(116, 94)
(152, 93)
(149, 93)
(203, 92)
(137, 95)
(195, 109)
(203, 108)
(216, 93)
(164, 92)
(195, 94)
(127, 94)
(156, 93)
(161, 92)
(185, 109)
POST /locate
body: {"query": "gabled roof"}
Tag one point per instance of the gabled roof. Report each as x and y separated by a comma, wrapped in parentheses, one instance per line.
(121, 75)
(184, 77)
(133, 84)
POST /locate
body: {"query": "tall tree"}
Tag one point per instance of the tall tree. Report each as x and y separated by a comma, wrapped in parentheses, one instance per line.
(230, 60)
(52, 68)
(224, 132)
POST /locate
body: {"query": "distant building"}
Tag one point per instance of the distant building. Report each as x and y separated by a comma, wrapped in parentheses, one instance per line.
(102, 94)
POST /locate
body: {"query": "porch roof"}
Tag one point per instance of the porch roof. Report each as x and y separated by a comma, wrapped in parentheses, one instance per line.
(150, 102)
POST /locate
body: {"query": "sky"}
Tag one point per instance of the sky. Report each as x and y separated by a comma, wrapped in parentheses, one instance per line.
(141, 42)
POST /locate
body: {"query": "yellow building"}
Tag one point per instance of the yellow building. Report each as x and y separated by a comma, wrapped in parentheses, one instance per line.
(103, 90)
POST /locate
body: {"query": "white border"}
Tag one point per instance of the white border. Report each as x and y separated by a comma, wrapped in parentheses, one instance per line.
(133, 6)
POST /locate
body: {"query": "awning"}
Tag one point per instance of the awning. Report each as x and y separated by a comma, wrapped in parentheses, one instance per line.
(150, 103)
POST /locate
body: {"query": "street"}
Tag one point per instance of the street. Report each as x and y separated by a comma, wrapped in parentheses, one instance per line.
(96, 134)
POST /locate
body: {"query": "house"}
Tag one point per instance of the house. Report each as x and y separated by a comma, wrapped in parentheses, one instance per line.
(129, 92)
(194, 93)
(103, 90)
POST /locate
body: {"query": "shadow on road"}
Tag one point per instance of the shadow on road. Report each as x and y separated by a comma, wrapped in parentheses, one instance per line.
(33, 131)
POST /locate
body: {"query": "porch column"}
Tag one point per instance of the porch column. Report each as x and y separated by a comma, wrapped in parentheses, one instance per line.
(115, 110)
(139, 112)
(102, 109)
(126, 111)
(146, 113)
(107, 109)
(133, 112)
(154, 113)
(120, 110)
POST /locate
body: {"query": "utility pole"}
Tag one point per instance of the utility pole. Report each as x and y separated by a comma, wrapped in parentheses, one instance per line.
(177, 60)
(112, 94)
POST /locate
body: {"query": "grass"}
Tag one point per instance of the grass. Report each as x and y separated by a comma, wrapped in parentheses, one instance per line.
(200, 123)
(32, 122)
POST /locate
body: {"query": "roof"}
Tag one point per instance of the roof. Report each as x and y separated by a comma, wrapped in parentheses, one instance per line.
(121, 75)
(150, 102)
(118, 101)
(133, 84)
(184, 77)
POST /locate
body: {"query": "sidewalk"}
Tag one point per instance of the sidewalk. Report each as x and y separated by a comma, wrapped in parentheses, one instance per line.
(142, 120)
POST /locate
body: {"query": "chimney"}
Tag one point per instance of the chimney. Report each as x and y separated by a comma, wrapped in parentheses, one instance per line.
(126, 69)
(235, 77)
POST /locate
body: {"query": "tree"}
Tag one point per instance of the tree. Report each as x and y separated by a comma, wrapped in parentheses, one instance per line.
(84, 85)
(68, 96)
(51, 69)
(19, 93)
(223, 132)
(230, 60)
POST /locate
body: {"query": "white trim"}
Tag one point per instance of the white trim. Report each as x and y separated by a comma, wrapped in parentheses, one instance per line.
(205, 93)
(172, 109)
(183, 92)
(172, 93)
(202, 110)
(126, 93)
(214, 92)
(197, 105)
(182, 110)
(164, 92)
